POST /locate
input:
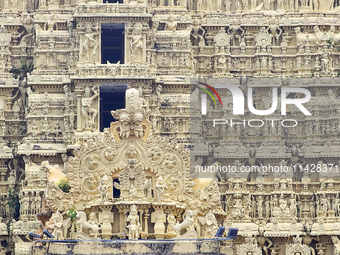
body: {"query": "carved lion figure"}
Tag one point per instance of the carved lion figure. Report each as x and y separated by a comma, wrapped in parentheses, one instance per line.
(82, 223)
(189, 220)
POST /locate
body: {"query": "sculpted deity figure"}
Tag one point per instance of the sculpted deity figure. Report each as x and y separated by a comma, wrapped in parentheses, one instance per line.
(171, 224)
(171, 24)
(261, 240)
(37, 201)
(93, 221)
(233, 30)
(324, 205)
(137, 44)
(134, 226)
(260, 206)
(159, 189)
(58, 226)
(275, 30)
(89, 113)
(104, 189)
(89, 43)
(198, 34)
(292, 207)
(45, 127)
(211, 225)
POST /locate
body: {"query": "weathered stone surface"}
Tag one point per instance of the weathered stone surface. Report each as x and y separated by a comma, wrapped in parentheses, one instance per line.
(147, 247)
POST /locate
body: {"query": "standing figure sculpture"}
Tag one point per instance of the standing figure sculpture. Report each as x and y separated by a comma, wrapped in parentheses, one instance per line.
(159, 189)
(137, 44)
(198, 38)
(90, 43)
(233, 29)
(275, 30)
(134, 226)
(89, 113)
(104, 190)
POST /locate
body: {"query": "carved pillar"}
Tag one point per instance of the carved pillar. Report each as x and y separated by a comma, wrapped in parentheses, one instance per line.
(78, 112)
(3, 171)
(146, 217)
(123, 210)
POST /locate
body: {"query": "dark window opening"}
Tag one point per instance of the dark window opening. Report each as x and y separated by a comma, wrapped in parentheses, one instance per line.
(112, 1)
(112, 43)
(116, 192)
(112, 97)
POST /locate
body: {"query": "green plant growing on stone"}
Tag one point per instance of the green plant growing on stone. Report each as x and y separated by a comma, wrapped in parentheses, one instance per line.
(72, 214)
(63, 185)
(13, 203)
(23, 70)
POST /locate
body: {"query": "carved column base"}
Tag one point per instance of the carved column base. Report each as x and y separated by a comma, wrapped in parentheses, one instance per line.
(144, 235)
(159, 236)
(170, 235)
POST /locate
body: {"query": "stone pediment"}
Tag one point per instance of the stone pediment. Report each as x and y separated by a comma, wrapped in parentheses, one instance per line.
(130, 153)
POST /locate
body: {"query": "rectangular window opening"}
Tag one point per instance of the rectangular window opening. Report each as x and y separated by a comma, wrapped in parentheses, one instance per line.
(112, 97)
(112, 1)
(112, 43)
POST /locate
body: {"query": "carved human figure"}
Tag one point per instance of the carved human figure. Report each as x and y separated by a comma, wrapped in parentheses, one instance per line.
(88, 112)
(260, 206)
(104, 190)
(133, 191)
(45, 127)
(210, 226)
(159, 189)
(324, 205)
(336, 203)
(90, 43)
(93, 220)
(37, 201)
(137, 44)
(292, 206)
(58, 226)
(198, 34)
(171, 224)
(275, 30)
(134, 226)
(171, 23)
(233, 30)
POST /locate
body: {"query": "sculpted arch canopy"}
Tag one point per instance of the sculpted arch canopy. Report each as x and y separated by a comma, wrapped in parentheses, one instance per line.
(130, 151)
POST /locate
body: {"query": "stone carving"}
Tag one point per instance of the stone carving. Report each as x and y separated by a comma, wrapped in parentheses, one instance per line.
(159, 189)
(58, 226)
(88, 111)
(134, 226)
(83, 223)
(254, 43)
(104, 189)
(211, 225)
(137, 44)
(187, 223)
(250, 247)
(89, 44)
